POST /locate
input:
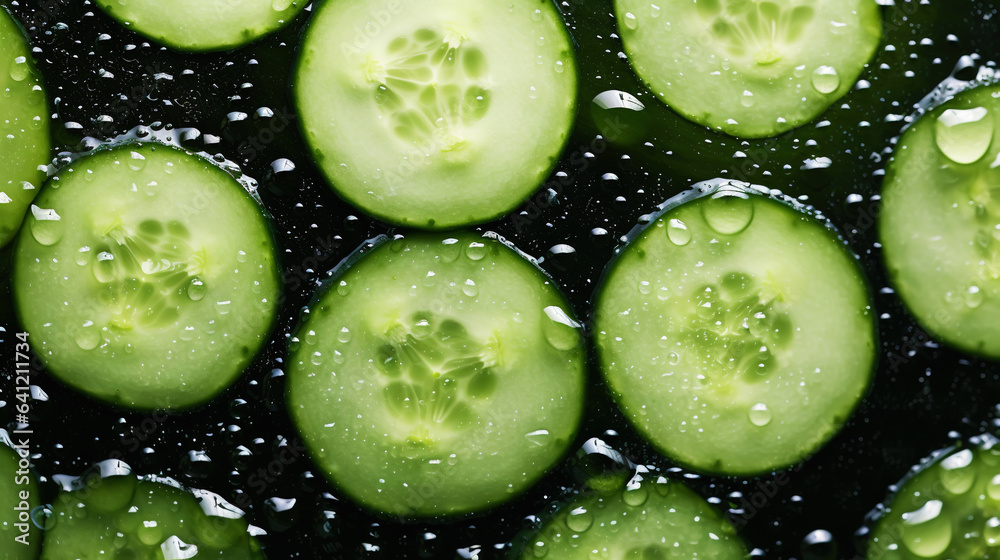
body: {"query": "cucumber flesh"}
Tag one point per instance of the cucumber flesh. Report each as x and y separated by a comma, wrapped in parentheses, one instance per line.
(949, 507)
(144, 519)
(147, 276)
(441, 114)
(645, 521)
(735, 331)
(940, 221)
(749, 68)
(24, 128)
(437, 375)
(18, 498)
(203, 25)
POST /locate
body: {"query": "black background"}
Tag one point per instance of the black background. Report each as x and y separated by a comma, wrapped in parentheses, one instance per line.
(104, 81)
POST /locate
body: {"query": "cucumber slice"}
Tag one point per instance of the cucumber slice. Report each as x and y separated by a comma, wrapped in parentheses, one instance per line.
(20, 539)
(948, 508)
(203, 25)
(437, 375)
(749, 68)
(646, 521)
(436, 114)
(143, 519)
(24, 128)
(940, 221)
(147, 276)
(735, 331)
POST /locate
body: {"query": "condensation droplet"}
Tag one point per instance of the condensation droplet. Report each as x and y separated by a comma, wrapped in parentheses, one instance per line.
(759, 415)
(825, 79)
(926, 532)
(561, 331)
(88, 337)
(630, 21)
(964, 135)
(196, 289)
(728, 213)
(46, 225)
(678, 233)
(579, 520)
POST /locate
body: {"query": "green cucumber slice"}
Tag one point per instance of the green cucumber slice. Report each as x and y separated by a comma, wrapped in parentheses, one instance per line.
(735, 331)
(147, 276)
(437, 114)
(144, 519)
(948, 508)
(940, 221)
(437, 375)
(203, 25)
(749, 68)
(20, 539)
(24, 128)
(645, 521)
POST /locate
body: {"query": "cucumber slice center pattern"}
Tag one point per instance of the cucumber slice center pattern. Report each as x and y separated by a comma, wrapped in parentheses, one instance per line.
(762, 31)
(429, 86)
(145, 272)
(738, 323)
(434, 367)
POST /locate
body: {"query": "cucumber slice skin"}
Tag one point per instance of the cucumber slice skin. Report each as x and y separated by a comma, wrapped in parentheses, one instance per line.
(14, 481)
(24, 127)
(661, 519)
(150, 518)
(203, 25)
(962, 485)
(479, 165)
(469, 439)
(676, 48)
(705, 393)
(171, 335)
(940, 223)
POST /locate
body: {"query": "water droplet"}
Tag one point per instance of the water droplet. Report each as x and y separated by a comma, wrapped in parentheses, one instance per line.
(344, 336)
(728, 213)
(759, 415)
(450, 250)
(654, 10)
(819, 545)
(136, 161)
(993, 488)
(196, 289)
(678, 233)
(316, 358)
(973, 297)
(469, 288)
(83, 256)
(88, 337)
(422, 329)
(964, 135)
(747, 99)
(674, 358)
(579, 520)
(957, 474)
(475, 251)
(825, 79)
(644, 287)
(342, 288)
(561, 331)
(281, 5)
(635, 495)
(104, 267)
(992, 531)
(630, 21)
(926, 532)
(19, 69)
(540, 438)
(46, 225)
